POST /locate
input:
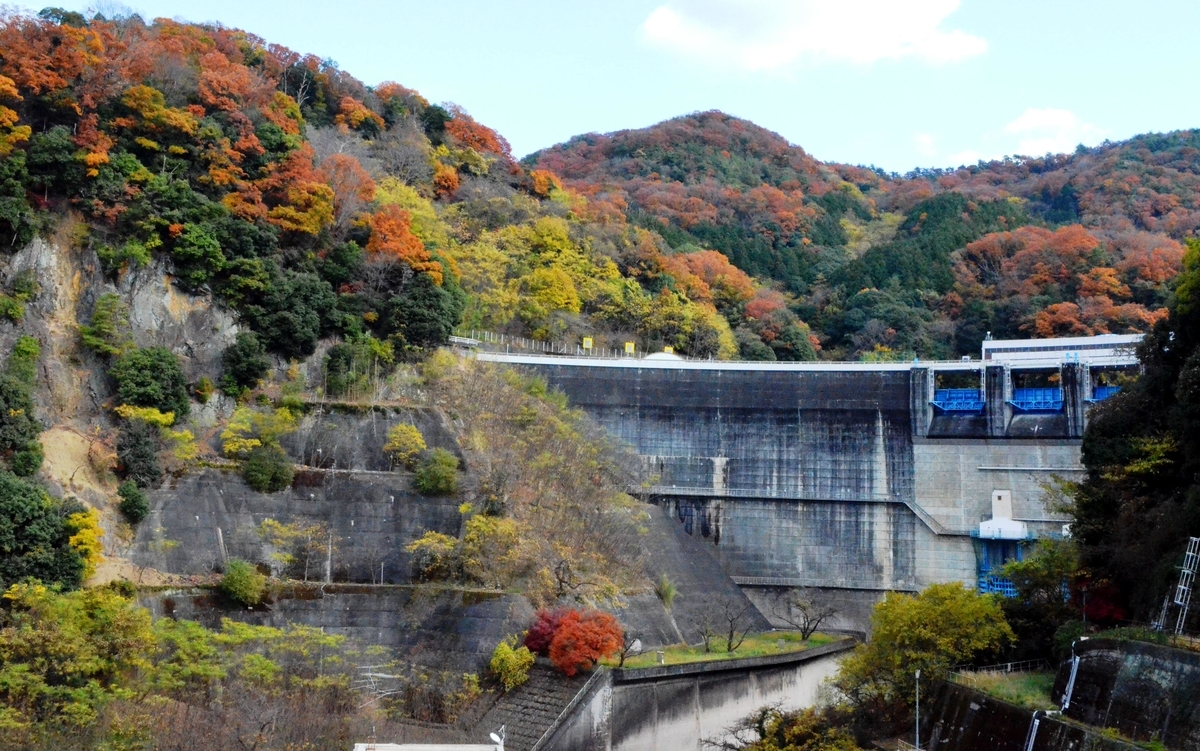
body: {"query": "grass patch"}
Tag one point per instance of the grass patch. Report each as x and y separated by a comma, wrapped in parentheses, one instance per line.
(758, 645)
(1149, 635)
(1029, 690)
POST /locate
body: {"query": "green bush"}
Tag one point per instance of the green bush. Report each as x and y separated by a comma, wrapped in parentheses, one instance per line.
(18, 427)
(38, 545)
(511, 666)
(151, 377)
(108, 333)
(243, 584)
(437, 475)
(27, 461)
(138, 444)
(133, 504)
(245, 363)
(268, 469)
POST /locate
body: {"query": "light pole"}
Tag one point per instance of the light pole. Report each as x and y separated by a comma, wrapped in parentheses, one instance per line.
(918, 710)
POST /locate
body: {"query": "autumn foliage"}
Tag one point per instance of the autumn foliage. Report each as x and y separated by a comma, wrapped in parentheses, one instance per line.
(392, 237)
(574, 640)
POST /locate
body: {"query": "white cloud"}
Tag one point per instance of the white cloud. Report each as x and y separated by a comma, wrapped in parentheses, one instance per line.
(1050, 131)
(926, 144)
(772, 35)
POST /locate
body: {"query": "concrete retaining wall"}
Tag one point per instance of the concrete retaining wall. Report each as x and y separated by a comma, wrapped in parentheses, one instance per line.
(1146, 691)
(957, 718)
(681, 706)
(203, 519)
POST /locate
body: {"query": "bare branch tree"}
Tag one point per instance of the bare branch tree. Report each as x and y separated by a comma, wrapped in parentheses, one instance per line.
(801, 612)
(735, 624)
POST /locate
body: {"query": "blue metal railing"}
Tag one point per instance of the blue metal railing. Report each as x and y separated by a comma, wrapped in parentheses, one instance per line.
(1038, 400)
(990, 584)
(959, 400)
(1100, 393)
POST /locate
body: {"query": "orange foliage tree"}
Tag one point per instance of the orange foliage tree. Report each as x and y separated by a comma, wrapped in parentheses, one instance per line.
(392, 237)
(353, 188)
(708, 276)
(583, 638)
(354, 115)
(466, 131)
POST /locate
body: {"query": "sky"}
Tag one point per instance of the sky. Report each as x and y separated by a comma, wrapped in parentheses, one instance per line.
(893, 83)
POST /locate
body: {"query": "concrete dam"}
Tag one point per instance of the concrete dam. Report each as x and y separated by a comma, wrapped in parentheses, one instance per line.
(847, 476)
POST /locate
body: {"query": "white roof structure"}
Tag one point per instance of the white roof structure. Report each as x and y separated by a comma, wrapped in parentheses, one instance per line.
(1106, 349)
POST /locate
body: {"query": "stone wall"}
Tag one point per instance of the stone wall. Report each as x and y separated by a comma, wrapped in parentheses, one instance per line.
(199, 521)
(450, 629)
(1146, 691)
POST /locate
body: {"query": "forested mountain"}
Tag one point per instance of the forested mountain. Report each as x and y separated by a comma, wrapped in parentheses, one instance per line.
(315, 206)
(887, 266)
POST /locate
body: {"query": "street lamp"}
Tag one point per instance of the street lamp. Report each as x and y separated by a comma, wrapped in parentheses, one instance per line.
(918, 710)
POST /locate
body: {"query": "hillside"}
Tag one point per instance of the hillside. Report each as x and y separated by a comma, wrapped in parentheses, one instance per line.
(884, 266)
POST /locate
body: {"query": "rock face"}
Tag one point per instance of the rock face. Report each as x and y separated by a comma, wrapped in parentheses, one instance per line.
(74, 382)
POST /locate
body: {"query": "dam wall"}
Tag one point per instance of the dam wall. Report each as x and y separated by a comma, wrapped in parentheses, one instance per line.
(834, 475)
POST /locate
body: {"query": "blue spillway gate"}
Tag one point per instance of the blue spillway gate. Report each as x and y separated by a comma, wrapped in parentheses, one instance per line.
(1100, 393)
(959, 400)
(1038, 400)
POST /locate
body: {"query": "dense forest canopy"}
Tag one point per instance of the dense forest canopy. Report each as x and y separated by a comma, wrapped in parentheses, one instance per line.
(886, 266)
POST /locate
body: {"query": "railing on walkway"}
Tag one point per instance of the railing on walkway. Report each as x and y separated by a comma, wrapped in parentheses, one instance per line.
(968, 676)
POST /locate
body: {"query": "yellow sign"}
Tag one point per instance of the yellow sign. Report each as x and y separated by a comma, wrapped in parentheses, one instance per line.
(629, 348)
(587, 342)
(669, 350)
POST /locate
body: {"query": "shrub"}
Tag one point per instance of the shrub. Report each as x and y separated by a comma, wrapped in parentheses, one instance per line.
(17, 423)
(108, 332)
(404, 444)
(151, 377)
(38, 546)
(510, 664)
(243, 584)
(666, 591)
(541, 633)
(204, 389)
(437, 475)
(137, 451)
(268, 469)
(434, 557)
(582, 639)
(133, 505)
(27, 461)
(85, 531)
(244, 364)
